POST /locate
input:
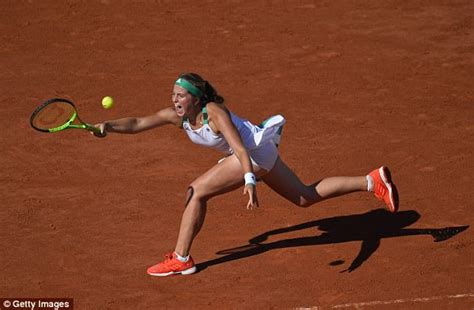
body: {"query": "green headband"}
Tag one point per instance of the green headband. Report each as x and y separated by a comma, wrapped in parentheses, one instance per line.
(193, 90)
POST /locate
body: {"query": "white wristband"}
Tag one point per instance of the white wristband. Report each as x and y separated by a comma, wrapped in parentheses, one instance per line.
(249, 178)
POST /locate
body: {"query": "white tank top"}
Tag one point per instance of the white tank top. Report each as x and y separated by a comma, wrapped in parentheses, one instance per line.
(253, 136)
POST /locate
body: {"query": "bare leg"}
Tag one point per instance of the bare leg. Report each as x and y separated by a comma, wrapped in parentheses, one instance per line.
(222, 178)
(286, 183)
(336, 186)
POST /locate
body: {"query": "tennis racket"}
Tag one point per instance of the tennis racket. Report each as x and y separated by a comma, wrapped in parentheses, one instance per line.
(58, 114)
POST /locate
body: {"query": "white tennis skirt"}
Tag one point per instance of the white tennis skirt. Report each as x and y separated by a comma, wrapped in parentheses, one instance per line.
(264, 156)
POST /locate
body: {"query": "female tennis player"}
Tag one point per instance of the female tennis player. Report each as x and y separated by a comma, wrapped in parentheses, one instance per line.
(251, 152)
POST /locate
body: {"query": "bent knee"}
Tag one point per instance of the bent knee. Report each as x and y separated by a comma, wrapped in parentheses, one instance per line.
(308, 198)
(189, 195)
(194, 192)
(303, 202)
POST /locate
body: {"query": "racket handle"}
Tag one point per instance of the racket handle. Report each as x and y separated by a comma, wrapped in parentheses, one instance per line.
(95, 130)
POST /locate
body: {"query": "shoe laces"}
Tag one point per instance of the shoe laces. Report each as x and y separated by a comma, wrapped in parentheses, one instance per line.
(171, 261)
(168, 257)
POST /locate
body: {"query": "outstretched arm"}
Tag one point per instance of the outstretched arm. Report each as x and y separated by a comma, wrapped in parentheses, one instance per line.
(132, 125)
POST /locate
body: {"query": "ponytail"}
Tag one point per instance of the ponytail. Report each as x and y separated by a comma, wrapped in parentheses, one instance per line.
(211, 95)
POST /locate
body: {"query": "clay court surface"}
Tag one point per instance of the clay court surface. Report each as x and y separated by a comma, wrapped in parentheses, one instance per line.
(361, 84)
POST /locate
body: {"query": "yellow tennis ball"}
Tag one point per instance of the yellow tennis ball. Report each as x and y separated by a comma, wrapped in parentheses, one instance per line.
(107, 102)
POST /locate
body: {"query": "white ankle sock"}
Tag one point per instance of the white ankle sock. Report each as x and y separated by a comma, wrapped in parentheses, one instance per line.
(370, 183)
(182, 259)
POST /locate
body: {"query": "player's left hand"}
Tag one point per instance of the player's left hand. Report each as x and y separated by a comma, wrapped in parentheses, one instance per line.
(252, 192)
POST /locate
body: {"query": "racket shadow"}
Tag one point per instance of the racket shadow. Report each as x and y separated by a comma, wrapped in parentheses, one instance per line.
(368, 228)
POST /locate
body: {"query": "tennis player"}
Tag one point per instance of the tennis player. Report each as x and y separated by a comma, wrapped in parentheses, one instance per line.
(250, 153)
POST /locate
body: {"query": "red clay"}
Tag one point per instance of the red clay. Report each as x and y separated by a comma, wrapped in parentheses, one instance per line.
(361, 84)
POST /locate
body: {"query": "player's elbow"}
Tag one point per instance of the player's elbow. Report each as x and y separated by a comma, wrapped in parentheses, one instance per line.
(137, 125)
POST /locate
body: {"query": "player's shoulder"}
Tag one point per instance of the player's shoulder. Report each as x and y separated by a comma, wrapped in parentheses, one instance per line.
(169, 114)
(216, 108)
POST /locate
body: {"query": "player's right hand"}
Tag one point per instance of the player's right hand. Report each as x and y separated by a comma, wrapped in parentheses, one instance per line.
(103, 132)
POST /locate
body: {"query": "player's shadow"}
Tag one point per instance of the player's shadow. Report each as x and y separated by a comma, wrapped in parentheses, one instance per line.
(369, 228)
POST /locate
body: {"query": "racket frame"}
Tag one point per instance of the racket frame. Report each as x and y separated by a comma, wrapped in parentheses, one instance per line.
(66, 125)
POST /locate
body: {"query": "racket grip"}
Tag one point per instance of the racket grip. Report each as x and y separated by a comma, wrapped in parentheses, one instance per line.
(94, 129)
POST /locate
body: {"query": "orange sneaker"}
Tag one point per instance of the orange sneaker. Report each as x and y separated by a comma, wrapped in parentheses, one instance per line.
(171, 266)
(384, 189)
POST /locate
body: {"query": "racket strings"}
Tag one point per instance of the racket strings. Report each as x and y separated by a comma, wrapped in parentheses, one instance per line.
(54, 115)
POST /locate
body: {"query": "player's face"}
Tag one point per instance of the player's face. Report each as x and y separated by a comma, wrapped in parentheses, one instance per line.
(183, 101)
